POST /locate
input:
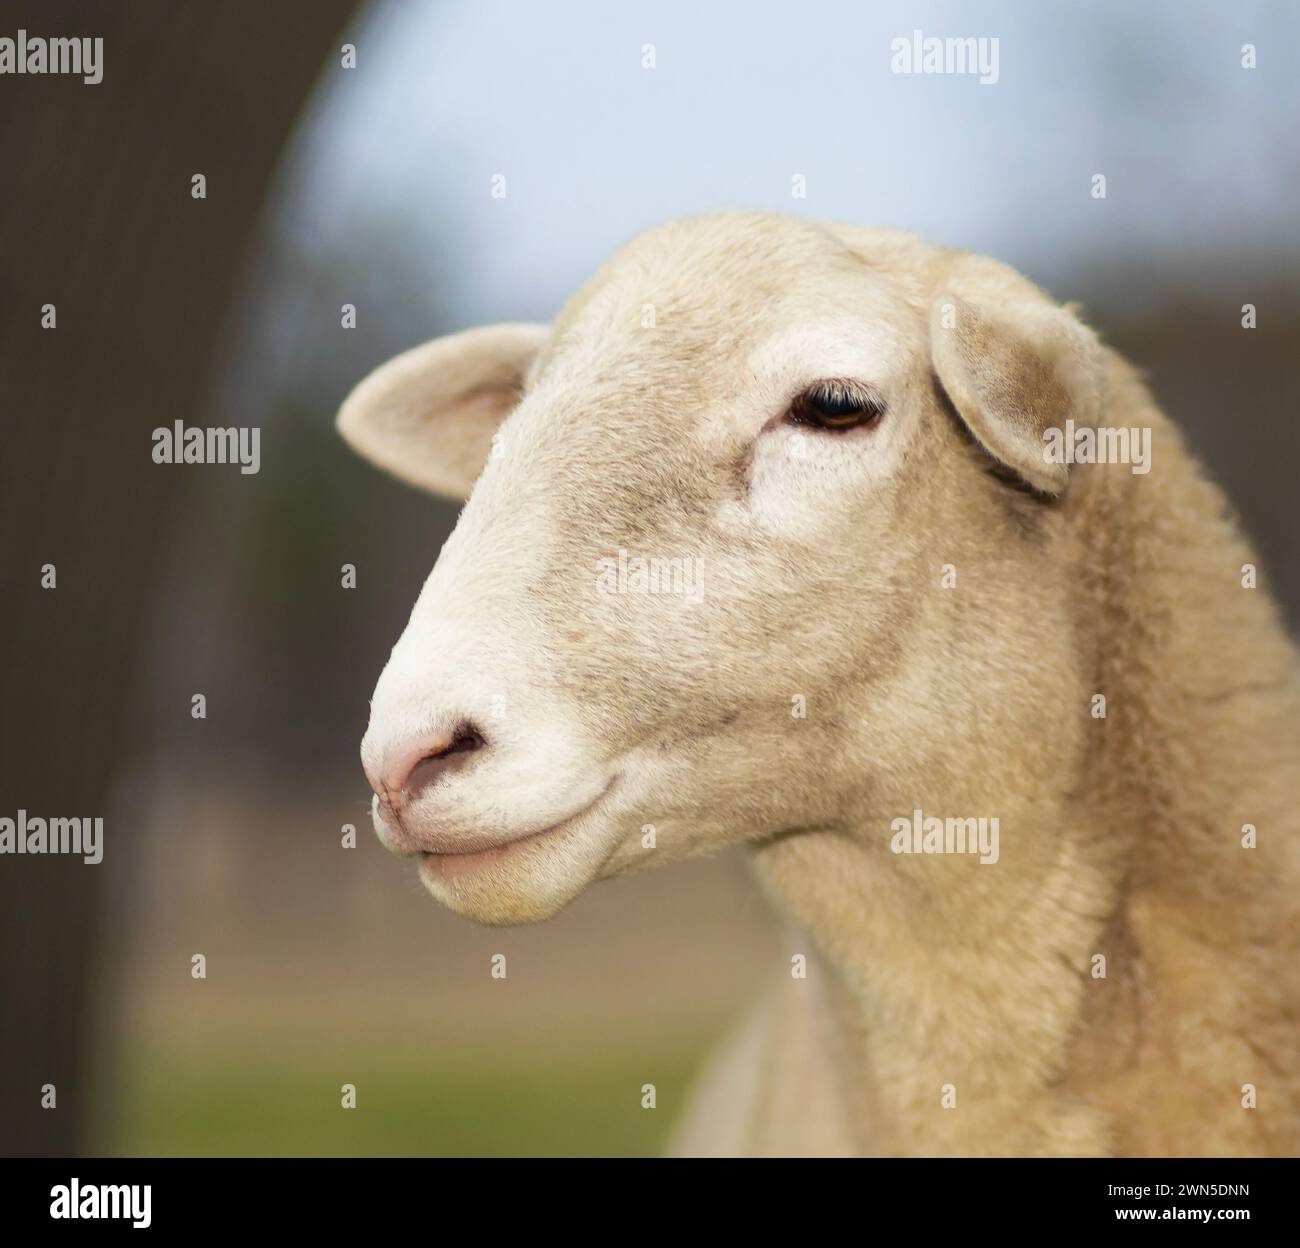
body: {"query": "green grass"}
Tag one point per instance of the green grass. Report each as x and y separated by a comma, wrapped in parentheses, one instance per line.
(282, 1097)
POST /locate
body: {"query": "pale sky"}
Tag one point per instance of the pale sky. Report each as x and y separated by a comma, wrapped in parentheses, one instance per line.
(393, 167)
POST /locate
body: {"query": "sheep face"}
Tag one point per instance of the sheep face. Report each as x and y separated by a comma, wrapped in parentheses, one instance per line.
(710, 582)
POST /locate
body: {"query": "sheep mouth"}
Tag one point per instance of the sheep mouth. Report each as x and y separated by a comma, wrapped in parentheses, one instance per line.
(445, 865)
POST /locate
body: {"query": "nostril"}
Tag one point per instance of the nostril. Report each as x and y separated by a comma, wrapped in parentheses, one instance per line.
(446, 755)
(466, 739)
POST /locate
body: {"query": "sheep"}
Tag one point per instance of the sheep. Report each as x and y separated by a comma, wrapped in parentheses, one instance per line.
(914, 606)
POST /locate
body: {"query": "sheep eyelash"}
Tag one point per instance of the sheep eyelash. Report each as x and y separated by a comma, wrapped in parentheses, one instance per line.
(836, 390)
(858, 398)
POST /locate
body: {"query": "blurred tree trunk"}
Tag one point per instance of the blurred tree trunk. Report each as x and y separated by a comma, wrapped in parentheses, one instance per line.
(98, 220)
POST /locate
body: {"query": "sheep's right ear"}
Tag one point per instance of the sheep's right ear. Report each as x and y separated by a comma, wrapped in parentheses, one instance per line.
(1013, 371)
(429, 414)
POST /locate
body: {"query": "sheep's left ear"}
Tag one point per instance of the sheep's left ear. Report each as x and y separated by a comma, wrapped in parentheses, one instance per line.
(429, 414)
(1013, 371)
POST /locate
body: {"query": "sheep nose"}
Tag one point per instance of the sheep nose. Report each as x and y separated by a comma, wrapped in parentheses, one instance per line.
(408, 768)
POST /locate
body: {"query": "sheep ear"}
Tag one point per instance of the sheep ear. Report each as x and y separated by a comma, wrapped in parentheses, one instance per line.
(1013, 372)
(428, 415)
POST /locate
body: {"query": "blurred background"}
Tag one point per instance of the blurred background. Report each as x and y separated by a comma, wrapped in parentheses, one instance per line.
(372, 186)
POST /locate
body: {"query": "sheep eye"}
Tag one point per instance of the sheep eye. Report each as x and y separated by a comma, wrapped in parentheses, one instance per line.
(836, 405)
